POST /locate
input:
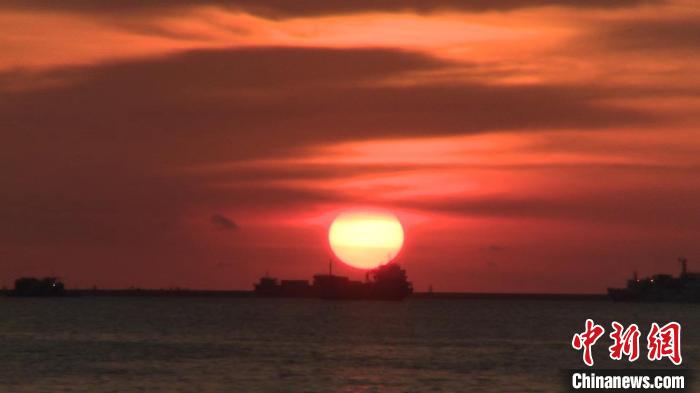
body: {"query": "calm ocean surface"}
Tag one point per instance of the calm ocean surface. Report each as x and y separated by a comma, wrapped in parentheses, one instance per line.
(289, 345)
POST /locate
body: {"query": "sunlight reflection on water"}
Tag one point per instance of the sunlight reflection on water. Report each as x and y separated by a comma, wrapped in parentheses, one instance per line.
(229, 344)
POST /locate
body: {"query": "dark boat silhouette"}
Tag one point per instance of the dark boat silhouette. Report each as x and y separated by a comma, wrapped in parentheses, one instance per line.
(387, 282)
(31, 286)
(661, 287)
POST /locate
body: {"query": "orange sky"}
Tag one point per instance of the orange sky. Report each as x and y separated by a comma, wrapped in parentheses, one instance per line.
(527, 146)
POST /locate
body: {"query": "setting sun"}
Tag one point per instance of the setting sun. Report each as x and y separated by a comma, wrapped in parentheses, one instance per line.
(366, 240)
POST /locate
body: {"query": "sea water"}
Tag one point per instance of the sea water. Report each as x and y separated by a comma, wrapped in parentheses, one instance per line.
(180, 344)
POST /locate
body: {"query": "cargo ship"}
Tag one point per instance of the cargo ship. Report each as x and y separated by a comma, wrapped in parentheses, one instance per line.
(661, 287)
(387, 282)
(33, 287)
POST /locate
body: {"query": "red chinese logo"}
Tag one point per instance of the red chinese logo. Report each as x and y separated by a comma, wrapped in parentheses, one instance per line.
(587, 339)
(665, 342)
(662, 342)
(625, 342)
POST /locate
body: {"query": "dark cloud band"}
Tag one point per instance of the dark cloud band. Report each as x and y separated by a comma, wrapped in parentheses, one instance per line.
(284, 8)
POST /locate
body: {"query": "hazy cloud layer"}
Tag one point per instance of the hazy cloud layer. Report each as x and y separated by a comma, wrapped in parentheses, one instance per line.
(671, 34)
(117, 135)
(523, 121)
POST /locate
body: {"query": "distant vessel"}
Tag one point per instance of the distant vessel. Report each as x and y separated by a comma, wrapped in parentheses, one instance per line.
(387, 282)
(30, 286)
(661, 287)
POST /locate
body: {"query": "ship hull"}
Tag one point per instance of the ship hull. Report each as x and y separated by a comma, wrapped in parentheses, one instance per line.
(670, 296)
(623, 295)
(387, 282)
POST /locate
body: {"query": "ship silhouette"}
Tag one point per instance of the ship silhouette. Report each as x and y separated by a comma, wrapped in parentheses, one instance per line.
(30, 286)
(387, 282)
(661, 287)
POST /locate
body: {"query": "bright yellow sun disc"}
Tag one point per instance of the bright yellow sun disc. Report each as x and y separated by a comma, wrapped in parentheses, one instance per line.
(366, 240)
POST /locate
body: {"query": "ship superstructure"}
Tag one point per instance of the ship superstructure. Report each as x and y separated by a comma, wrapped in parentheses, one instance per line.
(661, 287)
(30, 286)
(387, 282)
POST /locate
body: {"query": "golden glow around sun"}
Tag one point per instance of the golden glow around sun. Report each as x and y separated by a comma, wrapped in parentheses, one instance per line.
(366, 240)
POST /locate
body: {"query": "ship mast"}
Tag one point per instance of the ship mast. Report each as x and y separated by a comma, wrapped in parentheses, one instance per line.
(684, 266)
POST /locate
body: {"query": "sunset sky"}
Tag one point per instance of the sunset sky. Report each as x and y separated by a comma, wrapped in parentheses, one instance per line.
(526, 146)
